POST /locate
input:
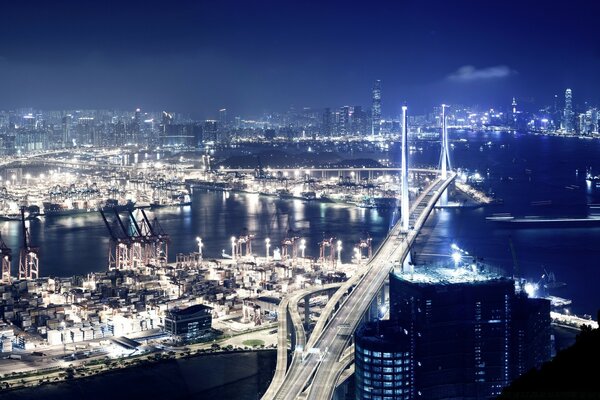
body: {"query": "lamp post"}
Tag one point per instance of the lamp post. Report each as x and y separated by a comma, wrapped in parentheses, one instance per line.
(302, 248)
(233, 247)
(199, 240)
(267, 245)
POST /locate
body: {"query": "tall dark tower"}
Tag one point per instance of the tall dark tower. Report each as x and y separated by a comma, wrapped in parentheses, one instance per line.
(514, 113)
(376, 109)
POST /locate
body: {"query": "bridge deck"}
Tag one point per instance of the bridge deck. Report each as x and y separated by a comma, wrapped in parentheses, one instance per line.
(323, 369)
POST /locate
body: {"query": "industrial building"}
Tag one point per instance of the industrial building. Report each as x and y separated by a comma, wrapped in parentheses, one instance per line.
(189, 323)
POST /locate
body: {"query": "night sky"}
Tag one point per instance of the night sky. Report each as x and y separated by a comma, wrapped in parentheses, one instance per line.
(252, 56)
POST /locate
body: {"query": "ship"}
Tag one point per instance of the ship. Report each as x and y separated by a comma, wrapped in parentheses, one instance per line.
(284, 194)
(385, 202)
(592, 180)
(31, 212)
(180, 200)
(58, 209)
(544, 222)
(113, 205)
(308, 195)
(549, 281)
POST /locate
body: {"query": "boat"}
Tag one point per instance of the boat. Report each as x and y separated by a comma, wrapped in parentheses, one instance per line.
(385, 202)
(324, 197)
(284, 194)
(592, 180)
(546, 222)
(500, 217)
(113, 205)
(180, 200)
(310, 195)
(550, 282)
(58, 210)
(541, 203)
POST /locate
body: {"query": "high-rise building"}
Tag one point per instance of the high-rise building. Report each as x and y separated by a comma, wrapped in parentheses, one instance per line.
(344, 121)
(223, 117)
(513, 113)
(210, 131)
(327, 123)
(66, 130)
(376, 109)
(383, 363)
(568, 115)
(467, 331)
(181, 136)
(358, 122)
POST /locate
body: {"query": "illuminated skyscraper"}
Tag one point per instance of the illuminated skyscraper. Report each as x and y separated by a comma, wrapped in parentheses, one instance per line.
(467, 332)
(66, 130)
(344, 121)
(568, 116)
(513, 114)
(327, 125)
(223, 117)
(376, 109)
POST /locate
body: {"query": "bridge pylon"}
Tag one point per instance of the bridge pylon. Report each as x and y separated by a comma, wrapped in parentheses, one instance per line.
(404, 206)
(445, 163)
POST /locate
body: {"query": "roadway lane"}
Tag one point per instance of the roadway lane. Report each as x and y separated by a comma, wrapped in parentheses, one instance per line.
(332, 337)
(288, 308)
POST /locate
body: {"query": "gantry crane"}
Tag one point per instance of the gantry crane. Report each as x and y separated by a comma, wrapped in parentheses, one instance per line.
(29, 260)
(6, 254)
(119, 251)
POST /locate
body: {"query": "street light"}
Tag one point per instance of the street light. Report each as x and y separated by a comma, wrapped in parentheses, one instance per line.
(267, 245)
(456, 256)
(233, 247)
(199, 240)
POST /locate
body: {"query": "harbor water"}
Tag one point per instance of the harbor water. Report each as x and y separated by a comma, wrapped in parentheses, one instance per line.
(532, 175)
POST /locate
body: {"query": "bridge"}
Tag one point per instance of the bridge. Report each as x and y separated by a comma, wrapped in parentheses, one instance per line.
(329, 352)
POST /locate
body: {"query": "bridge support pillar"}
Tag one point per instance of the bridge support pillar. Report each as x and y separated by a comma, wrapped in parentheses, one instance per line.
(307, 311)
(291, 331)
(330, 293)
(443, 201)
(407, 265)
(341, 392)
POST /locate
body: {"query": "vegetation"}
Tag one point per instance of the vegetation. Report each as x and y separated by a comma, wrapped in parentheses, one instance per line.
(253, 342)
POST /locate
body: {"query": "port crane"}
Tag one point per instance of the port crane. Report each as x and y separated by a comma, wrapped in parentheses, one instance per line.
(120, 244)
(6, 254)
(29, 260)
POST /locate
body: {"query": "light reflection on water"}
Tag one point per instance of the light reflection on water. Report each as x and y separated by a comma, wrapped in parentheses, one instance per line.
(539, 168)
(72, 245)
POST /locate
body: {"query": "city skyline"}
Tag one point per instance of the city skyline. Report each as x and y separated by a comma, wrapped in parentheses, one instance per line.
(299, 199)
(199, 57)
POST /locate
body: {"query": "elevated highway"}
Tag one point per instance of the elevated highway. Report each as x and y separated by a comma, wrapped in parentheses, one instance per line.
(288, 315)
(316, 375)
